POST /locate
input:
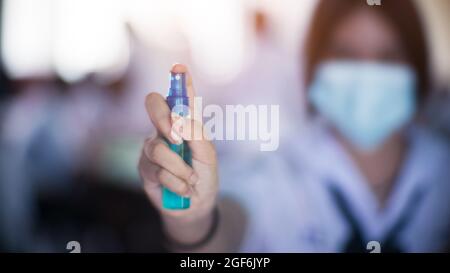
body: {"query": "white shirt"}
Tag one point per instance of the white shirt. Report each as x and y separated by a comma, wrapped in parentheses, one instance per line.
(287, 197)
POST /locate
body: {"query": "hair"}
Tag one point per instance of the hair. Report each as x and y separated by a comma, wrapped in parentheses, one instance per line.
(402, 15)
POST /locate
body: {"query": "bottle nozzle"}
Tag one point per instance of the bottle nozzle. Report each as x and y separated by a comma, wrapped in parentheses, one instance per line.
(177, 85)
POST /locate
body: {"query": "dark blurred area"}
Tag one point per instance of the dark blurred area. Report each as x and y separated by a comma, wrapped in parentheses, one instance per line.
(72, 116)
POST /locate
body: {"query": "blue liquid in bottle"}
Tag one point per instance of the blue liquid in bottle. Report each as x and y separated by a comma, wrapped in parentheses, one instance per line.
(179, 103)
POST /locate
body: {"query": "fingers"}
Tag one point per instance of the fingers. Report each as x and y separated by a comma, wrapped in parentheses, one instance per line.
(160, 154)
(192, 131)
(173, 183)
(148, 171)
(155, 176)
(160, 115)
(157, 167)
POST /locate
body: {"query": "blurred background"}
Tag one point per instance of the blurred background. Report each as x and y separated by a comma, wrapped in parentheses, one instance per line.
(74, 75)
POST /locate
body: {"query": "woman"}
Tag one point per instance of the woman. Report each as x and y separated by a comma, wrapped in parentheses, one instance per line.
(365, 171)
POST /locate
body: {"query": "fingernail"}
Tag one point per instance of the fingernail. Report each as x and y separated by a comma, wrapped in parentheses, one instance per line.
(193, 179)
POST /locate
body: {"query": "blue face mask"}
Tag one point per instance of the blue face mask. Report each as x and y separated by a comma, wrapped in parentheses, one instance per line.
(365, 101)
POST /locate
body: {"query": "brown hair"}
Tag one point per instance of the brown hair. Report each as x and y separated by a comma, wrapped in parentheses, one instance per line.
(403, 15)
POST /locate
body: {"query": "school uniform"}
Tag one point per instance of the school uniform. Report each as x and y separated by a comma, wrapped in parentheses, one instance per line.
(309, 196)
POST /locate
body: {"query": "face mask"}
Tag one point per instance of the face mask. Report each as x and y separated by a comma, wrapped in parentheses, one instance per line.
(366, 102)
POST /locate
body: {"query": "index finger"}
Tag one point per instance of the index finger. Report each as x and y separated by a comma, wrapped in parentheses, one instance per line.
(160, 115)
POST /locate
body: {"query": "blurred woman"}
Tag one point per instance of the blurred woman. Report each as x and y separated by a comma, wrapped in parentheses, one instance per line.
(365, 176)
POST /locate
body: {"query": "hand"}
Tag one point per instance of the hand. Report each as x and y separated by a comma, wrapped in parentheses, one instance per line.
(161, 167)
